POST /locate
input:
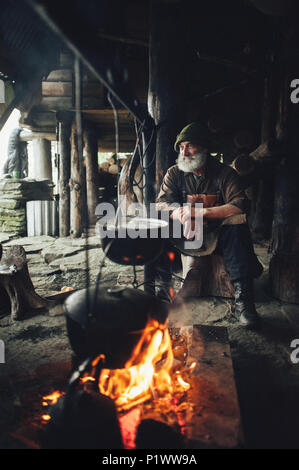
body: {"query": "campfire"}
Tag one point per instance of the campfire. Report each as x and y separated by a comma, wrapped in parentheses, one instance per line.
(135, 381)
(147, 374)
(175, 390)
(152, 377)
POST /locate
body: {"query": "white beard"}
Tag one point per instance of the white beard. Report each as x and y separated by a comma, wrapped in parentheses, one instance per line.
(189, 164)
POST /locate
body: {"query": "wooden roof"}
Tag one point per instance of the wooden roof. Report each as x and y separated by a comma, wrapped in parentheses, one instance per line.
(229, 48)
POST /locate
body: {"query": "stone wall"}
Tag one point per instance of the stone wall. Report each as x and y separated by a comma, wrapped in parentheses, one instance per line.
(14, 193)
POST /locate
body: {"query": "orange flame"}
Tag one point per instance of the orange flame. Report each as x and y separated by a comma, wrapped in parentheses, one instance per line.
(85, 379)
(171, 293)
(52, 398)
(147, 372)
(181, 382)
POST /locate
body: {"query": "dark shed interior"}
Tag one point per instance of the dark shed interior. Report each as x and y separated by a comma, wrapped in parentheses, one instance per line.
(110, 77)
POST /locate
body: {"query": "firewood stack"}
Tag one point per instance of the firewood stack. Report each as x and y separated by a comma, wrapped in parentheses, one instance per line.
(111, 165)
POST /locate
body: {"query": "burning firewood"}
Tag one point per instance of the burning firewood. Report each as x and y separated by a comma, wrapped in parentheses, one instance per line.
(153, 434)
(83, 420)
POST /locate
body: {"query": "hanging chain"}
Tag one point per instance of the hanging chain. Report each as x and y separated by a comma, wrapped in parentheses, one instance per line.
(135, 283)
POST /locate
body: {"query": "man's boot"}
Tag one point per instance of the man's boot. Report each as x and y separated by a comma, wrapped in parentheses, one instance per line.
(244, 302)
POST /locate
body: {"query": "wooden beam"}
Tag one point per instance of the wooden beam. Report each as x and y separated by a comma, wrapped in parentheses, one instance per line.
(91, 164)
(65, 103)
(60, 75)
(64, 174)
(59, 88)
(76, 188)
(125, 40)
(226, 63)
(109, 146)
(26, 136)
(98, 70)
(42, 119)
(167, 82)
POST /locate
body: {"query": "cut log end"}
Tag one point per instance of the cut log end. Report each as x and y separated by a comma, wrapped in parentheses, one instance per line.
(15, 280)
(206, 276)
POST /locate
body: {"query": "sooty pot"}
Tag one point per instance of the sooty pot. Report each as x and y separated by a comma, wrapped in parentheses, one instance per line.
(135, 241)
(110, 321)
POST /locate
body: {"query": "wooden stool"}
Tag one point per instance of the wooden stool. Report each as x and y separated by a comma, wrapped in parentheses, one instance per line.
(205, 276)
(16, 282)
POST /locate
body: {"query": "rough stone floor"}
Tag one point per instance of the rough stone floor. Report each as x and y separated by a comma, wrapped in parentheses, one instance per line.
(267, 380)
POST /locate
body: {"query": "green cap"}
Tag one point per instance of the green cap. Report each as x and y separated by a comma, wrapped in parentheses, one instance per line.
(196, 133)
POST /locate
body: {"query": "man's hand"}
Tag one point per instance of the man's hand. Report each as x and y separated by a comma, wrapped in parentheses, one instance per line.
(185, 213)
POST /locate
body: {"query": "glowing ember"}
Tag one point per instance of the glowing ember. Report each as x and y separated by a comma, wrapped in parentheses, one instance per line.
(83, 380)
(48, 400)
(52, 398)
(46, 417)
(181, 382)
(171, 293)
(128, 423)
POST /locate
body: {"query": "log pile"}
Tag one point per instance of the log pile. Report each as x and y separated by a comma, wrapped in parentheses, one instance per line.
(14, 193)
(112, 165)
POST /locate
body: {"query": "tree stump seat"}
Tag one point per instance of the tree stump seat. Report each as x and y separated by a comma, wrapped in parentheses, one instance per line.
(206, 276)
(16, 283)
(284, 277)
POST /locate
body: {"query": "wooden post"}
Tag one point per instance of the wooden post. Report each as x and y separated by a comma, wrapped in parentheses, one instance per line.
(64, 173)
(91, 164)
(261, 220)
(269, 106)
(167, 82)
(284, 265)
(76, 188)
